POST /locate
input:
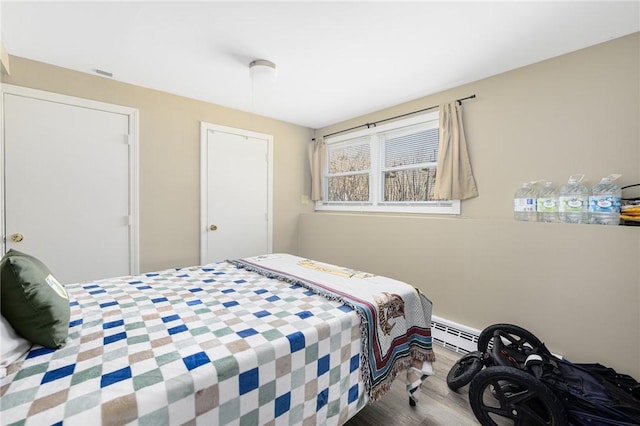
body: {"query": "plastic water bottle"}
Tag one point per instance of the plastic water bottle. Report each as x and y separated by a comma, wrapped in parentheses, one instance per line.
(604, 202)
(547, 205)
(524, 203)
(573, 201)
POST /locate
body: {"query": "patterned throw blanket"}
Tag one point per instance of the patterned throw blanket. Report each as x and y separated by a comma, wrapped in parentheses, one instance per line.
(395, 317)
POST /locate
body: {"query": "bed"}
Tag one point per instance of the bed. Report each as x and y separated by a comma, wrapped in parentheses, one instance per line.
(273, 339)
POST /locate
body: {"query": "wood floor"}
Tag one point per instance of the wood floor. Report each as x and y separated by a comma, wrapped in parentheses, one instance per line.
(438, 405)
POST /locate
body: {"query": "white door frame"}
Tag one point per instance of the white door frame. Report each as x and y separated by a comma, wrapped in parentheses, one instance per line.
(204, 180)
(132, 141)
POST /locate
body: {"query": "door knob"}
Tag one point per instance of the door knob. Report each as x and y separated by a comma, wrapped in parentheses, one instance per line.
(16, 238)
(213, 227)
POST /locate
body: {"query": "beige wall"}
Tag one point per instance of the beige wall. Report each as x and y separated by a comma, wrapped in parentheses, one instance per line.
(169, 157)
(575, 286)
(5, 67)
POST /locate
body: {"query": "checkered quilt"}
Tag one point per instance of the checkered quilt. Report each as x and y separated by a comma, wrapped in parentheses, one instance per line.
(213, 345)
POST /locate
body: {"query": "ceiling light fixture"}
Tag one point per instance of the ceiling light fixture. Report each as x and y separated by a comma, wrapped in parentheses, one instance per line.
(262, 70)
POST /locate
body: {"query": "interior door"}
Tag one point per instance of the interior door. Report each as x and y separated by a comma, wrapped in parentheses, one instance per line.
(67, 186)
(236, 189)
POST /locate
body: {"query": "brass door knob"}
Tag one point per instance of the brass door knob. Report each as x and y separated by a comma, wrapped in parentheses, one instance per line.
(16, 238)
(213, 227)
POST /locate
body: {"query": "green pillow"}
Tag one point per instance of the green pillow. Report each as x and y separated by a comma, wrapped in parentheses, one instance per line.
(33, 301)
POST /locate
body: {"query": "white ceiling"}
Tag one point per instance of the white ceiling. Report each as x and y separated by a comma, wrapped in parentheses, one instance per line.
(335, 60)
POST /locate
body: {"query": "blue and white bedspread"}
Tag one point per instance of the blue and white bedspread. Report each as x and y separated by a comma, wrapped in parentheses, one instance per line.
(213, 345)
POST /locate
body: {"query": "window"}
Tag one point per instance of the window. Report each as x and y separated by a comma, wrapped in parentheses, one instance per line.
(389, 168)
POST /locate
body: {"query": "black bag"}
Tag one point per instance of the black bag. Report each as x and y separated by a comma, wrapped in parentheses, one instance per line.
(623, 381)
(596, 395)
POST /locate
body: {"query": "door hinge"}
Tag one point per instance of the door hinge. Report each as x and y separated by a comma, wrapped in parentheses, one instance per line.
(127, 139)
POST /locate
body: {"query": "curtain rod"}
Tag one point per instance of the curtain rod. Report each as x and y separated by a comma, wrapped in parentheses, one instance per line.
(368, 125)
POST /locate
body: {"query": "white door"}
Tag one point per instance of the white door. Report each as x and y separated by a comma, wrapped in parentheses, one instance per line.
(67, 186)
(236, 193)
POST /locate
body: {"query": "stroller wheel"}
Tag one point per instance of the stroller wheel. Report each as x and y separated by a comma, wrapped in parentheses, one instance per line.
(515, 338)
(464, 369)
(505, 395)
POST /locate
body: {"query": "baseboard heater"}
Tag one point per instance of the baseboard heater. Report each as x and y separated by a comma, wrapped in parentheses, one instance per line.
(454, 336)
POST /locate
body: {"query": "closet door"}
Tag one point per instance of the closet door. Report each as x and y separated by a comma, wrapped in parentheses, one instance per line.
(67, 186)
(236, 190)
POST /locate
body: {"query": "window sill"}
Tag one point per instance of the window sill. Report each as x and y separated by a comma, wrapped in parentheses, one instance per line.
(445, 207)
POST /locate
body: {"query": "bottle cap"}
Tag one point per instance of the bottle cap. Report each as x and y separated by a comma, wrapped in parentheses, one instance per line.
(612, 177)
(576, 178)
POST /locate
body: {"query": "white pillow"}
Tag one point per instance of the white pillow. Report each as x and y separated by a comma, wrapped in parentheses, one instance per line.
(12, 346)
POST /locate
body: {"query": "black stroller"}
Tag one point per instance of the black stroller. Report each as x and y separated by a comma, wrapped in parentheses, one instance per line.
(524, 384)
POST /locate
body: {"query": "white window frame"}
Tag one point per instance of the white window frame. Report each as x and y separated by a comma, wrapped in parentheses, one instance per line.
(376, 203)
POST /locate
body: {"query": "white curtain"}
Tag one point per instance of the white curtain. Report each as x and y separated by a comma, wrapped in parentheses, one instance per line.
(454, 177)
(317, 159)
